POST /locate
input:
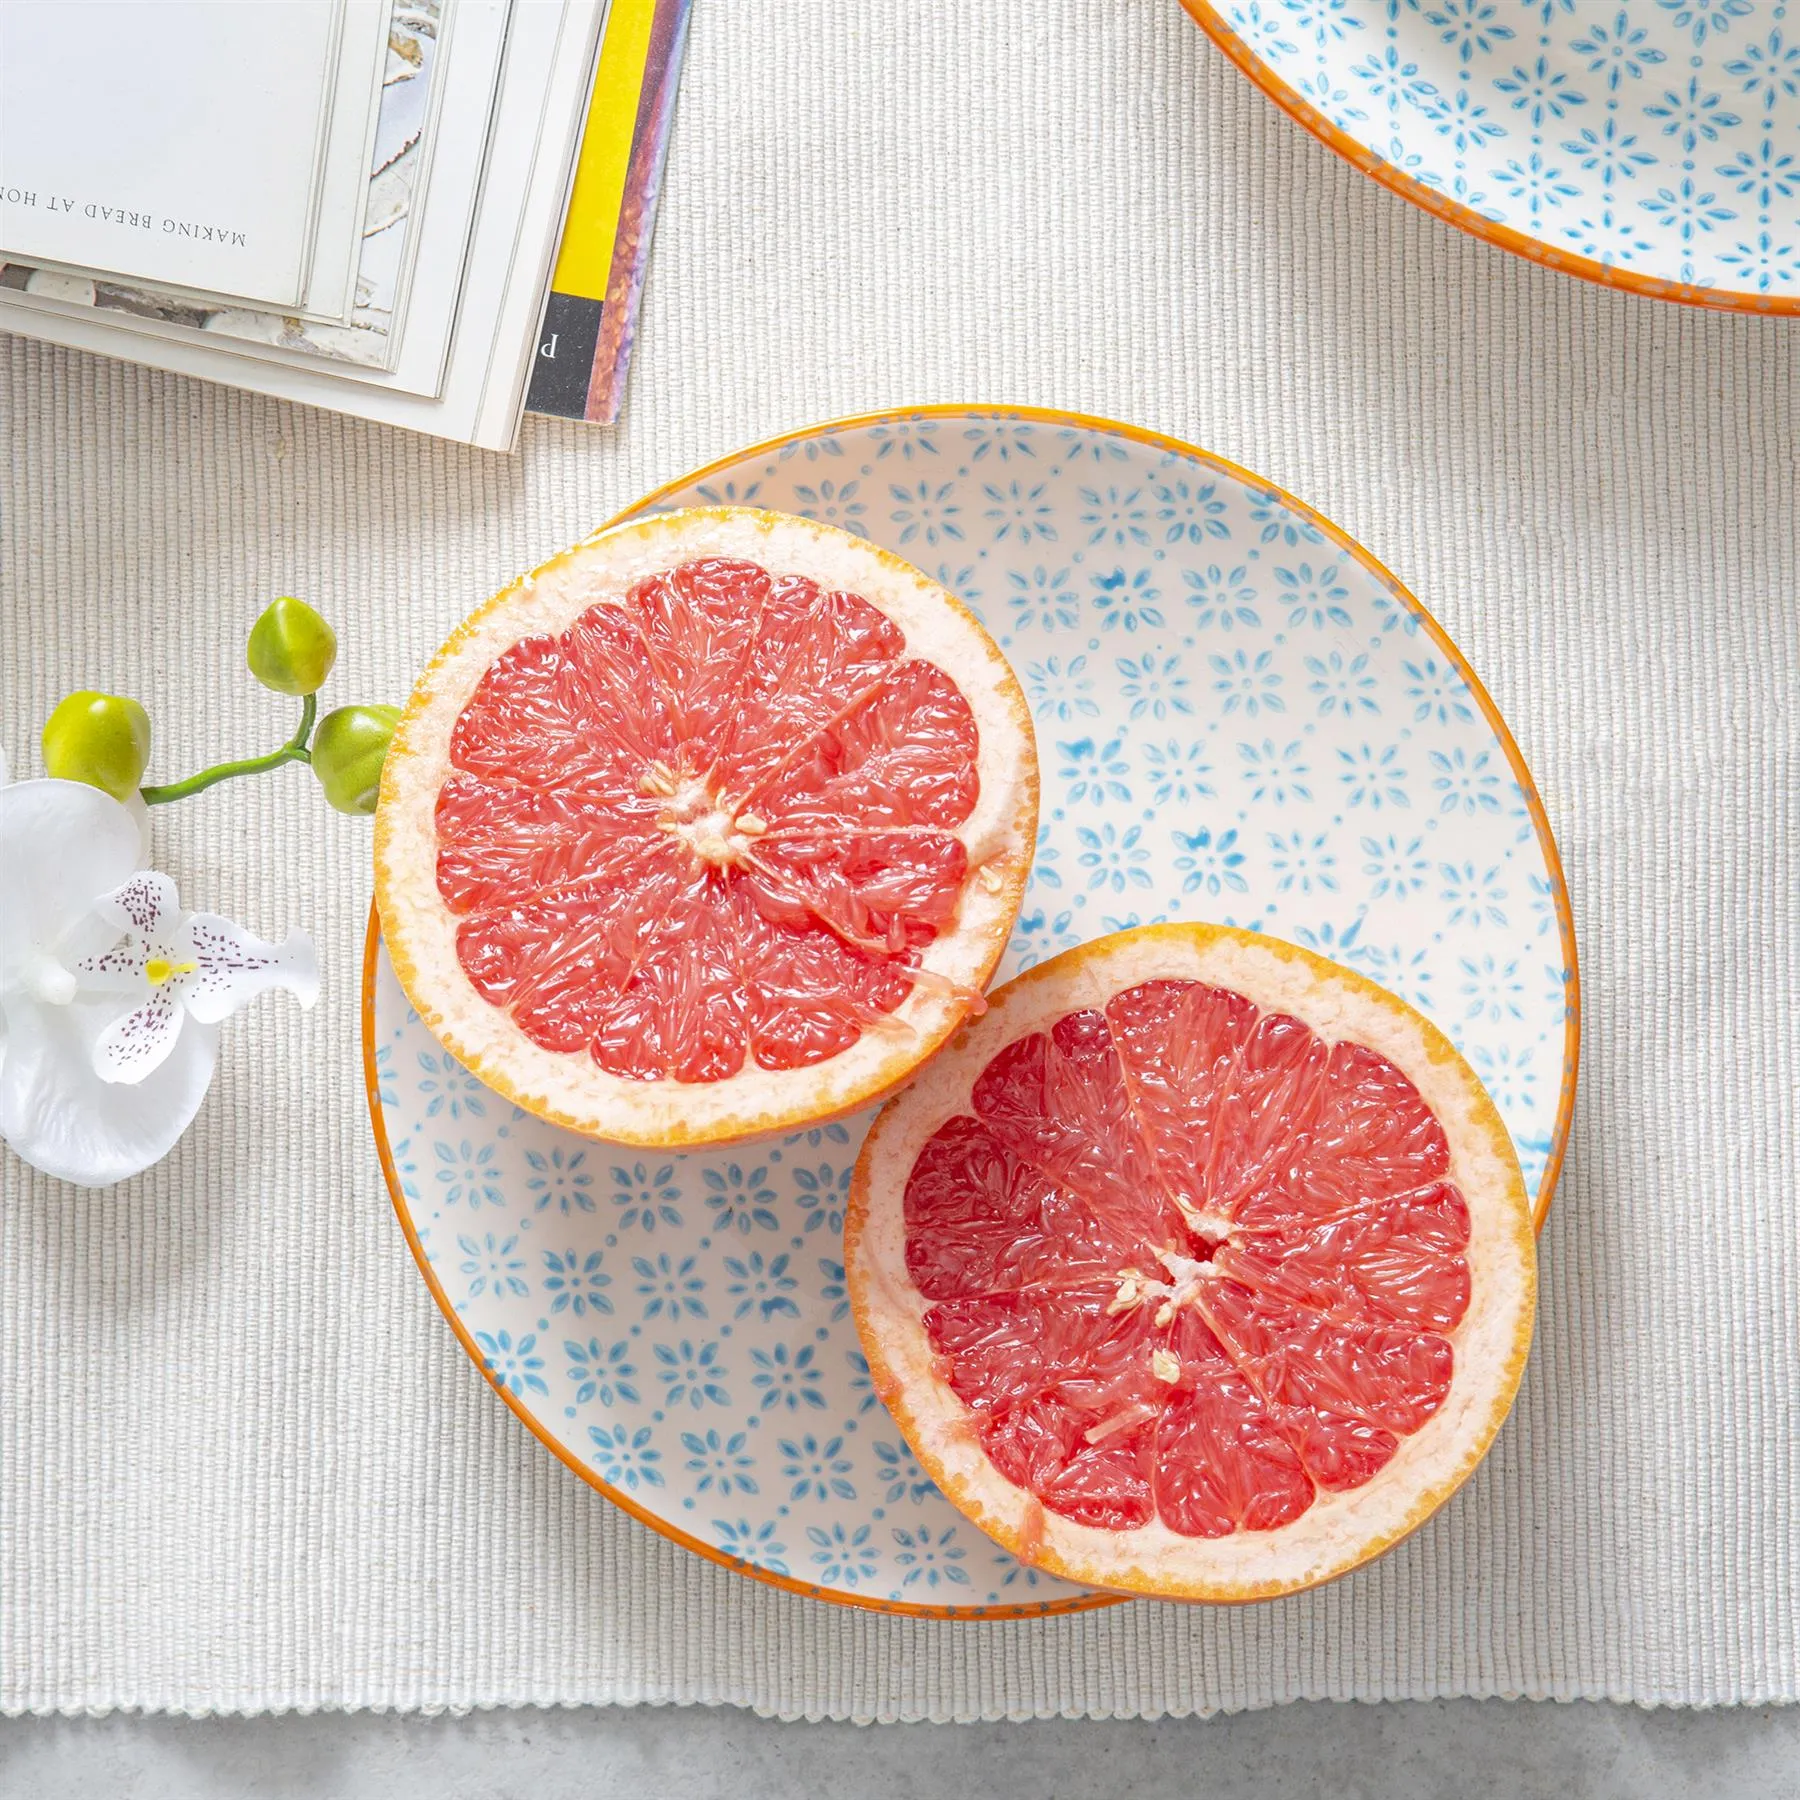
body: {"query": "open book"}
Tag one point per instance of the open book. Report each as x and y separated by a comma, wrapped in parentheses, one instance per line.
(353, 203)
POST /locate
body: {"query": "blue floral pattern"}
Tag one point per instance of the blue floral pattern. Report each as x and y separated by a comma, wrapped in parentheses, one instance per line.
(1237, 720)
(1660, 137)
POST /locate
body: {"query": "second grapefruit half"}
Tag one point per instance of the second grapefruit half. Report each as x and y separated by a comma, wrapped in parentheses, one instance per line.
(714, 825)
(1198, 1267)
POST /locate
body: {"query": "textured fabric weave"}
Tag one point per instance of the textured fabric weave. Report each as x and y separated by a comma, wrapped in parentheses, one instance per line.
(243, 1464)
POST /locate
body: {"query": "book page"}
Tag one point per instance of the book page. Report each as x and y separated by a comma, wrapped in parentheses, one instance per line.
(176, 141)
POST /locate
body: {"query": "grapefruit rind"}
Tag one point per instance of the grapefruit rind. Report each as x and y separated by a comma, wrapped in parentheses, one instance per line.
(1339, 1531)
(567, 1088)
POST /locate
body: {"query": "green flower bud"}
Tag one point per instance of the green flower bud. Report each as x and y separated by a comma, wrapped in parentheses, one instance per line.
(348, 750)
(291, 648)
(102, 739)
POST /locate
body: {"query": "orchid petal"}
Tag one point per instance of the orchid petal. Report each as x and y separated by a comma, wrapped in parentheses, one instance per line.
(146, 904)
(62, 843)
(135, 1044)
(235, 966)
(58, 1114)
(119, 970)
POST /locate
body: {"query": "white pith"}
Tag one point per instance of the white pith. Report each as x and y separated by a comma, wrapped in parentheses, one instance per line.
(568, 1087)
(1338, 1531)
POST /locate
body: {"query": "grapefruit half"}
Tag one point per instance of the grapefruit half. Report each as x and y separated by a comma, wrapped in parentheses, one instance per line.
(714, 825)
(1197, 1267)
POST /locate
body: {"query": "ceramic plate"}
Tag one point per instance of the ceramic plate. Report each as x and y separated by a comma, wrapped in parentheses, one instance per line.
(1240, 716)
(1646, 144)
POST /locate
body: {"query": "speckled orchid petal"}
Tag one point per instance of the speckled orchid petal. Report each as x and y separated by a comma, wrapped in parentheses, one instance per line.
(232, 966)
(57, 1113)
(135, 1044)
(147, 906)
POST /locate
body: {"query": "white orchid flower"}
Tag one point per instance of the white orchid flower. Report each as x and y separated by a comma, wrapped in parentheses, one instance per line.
(107, 1049)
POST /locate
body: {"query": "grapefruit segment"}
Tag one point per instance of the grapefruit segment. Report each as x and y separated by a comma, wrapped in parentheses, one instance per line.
(1198, 1266)
(715, 825)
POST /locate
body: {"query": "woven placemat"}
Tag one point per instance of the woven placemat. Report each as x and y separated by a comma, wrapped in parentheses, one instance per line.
(244, 1466)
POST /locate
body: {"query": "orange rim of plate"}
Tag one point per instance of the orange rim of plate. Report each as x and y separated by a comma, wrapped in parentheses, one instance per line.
(1155, 440)
(1465, 218)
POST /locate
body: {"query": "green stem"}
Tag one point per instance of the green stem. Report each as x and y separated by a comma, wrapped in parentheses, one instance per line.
(294, 750)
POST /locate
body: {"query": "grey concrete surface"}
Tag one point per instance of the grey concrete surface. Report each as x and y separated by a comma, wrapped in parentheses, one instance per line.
(1486, 1749)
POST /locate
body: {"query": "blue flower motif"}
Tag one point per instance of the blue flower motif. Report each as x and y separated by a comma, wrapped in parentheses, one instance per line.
(1044, 872)
(815, 1470)
(1373, 778)
(1331, 940)
(729, 493)
(1210, 864)
(1622, 50)
(1302, 862)
(406, 1168)
(469, 1175)
(1511, 1076)
(1126, 601)
(455, 1093)
(740, 1199)
(905, 438)
(514, 1367)
(1686, 210)
(1315, 600)
(759, 1287)
(1398, 869)
(1222, 595)
(1436, 692)
(560, 1180)
(1093, 771)
(787, 1378)
(1115, 518)
(1470, 27)
(1003, 442)
(835, 1289)
(898, 1474)
(1277, 522)
(1491, 989)
(645, 1196)
(1189, 512)
(387, 1090)
(576, 1283)
(1021, 513)
(1247, 683)
(834, 503)
(1473, 896)
(1765, 174)
(690, 1372)
(862, 1383)
(1276, 772)
(1177, 770)
(669, 1290)
(925, 511)
(1154, 685)
(1342, 687)
(626, 1458)
(815, 1135)
(603, 1372)
(1538, 183)
(1704, 16)
(1113, 858)
(824, 1192)
(1465, 783)
(492, 1264)
(754, 1544)
(1464, 121)
(843, 1558)
(720, 1463)
(1543, 90)
(1391, 79)
(1401, 968)
(930, 1557)
(1770, 71)
(1042, 600)
(1080, 444)
(1694, 115)
(1607, 152)
(1763, 263)
(1061, 693)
